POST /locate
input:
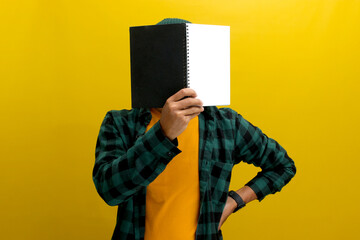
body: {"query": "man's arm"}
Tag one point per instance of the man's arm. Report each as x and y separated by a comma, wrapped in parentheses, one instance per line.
(254, 147)
(119, 171)
(246, 193)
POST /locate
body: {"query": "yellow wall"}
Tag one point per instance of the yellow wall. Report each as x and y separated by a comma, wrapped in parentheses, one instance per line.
(294, 73)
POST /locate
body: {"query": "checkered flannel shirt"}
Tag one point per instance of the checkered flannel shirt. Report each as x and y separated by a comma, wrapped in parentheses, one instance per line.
(128, 160)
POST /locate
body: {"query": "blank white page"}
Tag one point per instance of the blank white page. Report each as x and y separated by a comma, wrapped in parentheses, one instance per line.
(209, 62)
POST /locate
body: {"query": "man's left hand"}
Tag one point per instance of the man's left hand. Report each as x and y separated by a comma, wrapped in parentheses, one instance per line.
(228, 209)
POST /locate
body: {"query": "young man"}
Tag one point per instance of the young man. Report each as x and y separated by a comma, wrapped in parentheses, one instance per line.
(168, 170)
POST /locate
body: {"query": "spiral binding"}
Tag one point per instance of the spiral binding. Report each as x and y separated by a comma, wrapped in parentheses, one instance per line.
(186, 59)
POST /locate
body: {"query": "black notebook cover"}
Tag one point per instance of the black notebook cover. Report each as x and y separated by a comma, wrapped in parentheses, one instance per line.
(158, 63)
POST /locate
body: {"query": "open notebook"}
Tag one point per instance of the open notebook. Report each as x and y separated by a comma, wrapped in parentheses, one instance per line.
(167, 58)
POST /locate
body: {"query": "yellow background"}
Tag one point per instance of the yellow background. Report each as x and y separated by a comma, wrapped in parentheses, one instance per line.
(294, 73)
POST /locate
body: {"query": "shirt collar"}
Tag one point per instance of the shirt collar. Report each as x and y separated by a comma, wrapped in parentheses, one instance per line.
(144, 115)
(209, 112)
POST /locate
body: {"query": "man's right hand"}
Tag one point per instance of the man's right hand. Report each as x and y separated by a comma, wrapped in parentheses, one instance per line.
(178, 111)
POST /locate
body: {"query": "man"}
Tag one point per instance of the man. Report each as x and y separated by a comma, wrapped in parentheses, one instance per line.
(168, 170)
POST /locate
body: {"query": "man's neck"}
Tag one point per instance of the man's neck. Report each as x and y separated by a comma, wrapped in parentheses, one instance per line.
(158, 109)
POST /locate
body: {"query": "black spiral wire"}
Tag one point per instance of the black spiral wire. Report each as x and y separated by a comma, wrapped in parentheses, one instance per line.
(186, 58)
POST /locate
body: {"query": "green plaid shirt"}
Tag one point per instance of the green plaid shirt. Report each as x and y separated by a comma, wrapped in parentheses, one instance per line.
(128, 160)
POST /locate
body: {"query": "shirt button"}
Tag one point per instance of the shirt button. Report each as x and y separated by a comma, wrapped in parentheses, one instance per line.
(170, 154)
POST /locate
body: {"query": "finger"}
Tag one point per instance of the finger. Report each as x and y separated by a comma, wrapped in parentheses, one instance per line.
(192, 116)
(189, 102)
(192, 111)
(185, 92)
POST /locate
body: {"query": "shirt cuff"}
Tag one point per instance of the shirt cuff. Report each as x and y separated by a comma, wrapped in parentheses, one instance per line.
(162, 146)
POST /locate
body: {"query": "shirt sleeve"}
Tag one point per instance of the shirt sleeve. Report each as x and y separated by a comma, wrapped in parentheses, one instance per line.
(255, 147)
(120, 171)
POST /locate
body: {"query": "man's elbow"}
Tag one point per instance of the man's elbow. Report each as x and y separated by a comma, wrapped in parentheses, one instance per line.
(111, 196)
(293, 170)
(108, 196)
(290, 169)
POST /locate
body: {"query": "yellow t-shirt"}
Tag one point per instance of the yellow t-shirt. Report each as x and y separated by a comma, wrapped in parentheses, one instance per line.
(173, 198)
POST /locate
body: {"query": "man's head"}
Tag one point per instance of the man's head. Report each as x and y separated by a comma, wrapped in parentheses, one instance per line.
(172, 21)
